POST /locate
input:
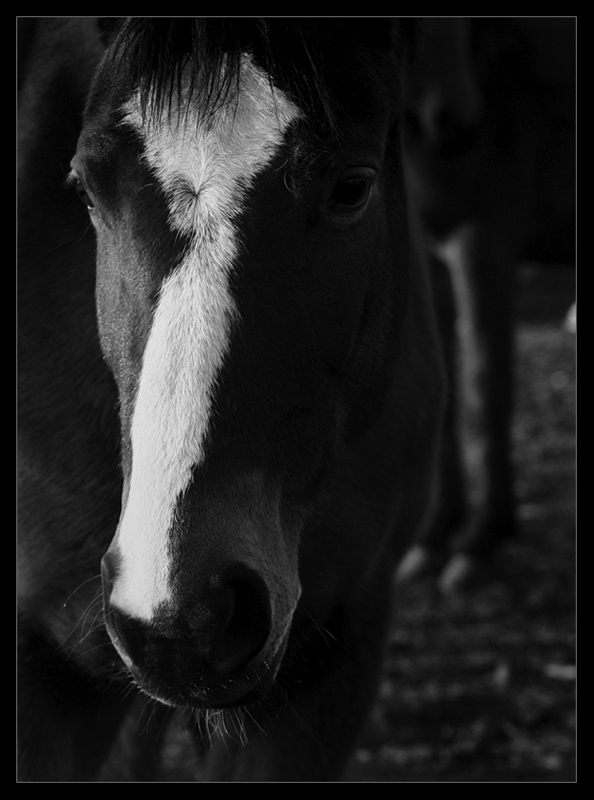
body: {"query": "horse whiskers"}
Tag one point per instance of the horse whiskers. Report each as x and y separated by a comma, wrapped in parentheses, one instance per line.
(226, 725)
(326, 635)
(80, 586)
(94, 607)
(248, 712)
(94, 626)
(150, 717)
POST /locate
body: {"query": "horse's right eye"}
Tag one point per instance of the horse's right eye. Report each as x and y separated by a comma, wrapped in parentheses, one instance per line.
(81, 190)
(83, 195)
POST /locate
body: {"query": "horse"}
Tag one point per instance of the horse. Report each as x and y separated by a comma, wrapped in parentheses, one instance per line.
(230, 389)
(489, 142)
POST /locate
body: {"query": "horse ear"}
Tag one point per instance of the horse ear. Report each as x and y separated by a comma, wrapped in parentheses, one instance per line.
(108, 27)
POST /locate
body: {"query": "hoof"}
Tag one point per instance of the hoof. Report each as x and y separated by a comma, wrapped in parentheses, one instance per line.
(419, 563)
(461, 573)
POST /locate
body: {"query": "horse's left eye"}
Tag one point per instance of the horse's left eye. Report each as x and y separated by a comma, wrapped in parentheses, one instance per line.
(352, 192)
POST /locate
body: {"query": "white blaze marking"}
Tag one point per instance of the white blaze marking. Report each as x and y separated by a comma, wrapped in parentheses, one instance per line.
(204, 169)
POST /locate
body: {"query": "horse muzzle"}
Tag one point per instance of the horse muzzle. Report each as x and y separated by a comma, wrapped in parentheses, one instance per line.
(219, 647)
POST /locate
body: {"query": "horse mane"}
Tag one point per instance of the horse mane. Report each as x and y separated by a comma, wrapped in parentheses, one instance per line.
(159, 51)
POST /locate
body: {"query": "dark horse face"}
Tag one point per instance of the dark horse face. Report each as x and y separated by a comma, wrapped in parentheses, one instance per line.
(251, 258)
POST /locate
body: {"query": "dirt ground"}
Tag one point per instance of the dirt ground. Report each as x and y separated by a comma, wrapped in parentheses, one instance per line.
(483, 688)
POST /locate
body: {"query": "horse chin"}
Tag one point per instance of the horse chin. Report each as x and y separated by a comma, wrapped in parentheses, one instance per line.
(249, 686)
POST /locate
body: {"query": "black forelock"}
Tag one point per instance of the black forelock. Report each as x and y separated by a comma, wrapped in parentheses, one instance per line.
(158, 51)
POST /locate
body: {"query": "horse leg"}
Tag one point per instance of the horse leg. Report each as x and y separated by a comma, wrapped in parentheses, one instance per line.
(427, 557)
(66, 726)
(482, 264)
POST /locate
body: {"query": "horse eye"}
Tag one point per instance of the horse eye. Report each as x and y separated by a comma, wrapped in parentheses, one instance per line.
(351, 192)
(82, 193)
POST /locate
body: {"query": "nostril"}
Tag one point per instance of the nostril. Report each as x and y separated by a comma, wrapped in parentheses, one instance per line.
(251, 611)
(130, 635)
(108, 572)
(201, 647)
(248, 620)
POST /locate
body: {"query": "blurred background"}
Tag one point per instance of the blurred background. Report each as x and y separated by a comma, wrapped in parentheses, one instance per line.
(481, 686)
